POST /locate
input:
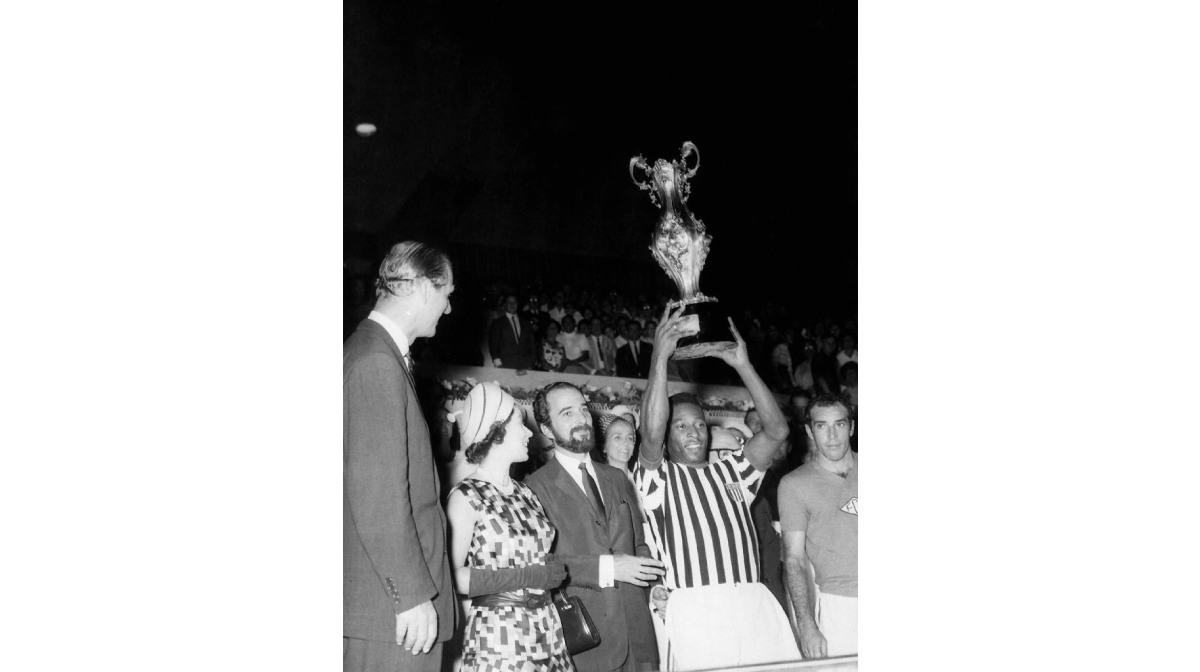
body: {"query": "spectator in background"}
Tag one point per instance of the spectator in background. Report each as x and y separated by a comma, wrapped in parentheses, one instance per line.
(609, 348)
(511, 341)
(849, 351)
(825, 368)
(575, 347)
(555, 310)
(781, 359)
(802, 376)
(551, 356)
(633, 359)
(620, 439)
(849, 376)
(595, 338)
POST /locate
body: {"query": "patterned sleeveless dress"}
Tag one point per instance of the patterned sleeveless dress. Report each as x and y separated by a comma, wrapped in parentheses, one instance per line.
(512, 531)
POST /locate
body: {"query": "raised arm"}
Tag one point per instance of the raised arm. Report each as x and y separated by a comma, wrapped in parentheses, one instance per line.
(656, 410)
(763, 446)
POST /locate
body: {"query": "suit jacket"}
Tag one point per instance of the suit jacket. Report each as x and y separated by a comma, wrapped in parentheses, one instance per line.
(627, 368)
(504, 345)
(393, 526)
(621, 613)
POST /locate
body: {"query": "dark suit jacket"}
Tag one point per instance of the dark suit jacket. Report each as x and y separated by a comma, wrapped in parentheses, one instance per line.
(626, 368)
(621, 613)
(503, 343)
(393, 526)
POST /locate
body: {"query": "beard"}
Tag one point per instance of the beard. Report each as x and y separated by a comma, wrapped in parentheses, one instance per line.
(580, 440)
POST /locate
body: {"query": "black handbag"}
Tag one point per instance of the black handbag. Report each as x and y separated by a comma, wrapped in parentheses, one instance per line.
(578, 629)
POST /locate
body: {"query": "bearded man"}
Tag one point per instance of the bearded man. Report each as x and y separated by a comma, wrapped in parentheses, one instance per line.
(599, 539)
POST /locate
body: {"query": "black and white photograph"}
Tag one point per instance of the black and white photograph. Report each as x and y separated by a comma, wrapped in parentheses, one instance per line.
(601, 340)
(604, 274)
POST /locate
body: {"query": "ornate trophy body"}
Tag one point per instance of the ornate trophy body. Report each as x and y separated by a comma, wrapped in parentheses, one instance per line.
(680, 245)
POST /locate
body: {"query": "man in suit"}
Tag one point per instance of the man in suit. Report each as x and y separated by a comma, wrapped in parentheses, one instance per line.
(397, 595)
(633, 358)
(600, 539)
(510, 339)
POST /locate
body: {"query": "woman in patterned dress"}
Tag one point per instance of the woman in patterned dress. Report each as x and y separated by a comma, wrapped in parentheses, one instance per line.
(500, 543)
(552, 356)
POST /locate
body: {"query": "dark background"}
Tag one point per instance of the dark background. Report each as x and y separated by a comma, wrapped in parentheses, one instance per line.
(505, 133)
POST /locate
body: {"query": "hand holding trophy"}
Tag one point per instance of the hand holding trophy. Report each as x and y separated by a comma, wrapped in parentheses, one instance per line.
(680, 245)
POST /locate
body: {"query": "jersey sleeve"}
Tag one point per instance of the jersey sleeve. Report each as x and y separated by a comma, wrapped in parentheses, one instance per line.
(651, 485)
(749, 477)
(793, 510)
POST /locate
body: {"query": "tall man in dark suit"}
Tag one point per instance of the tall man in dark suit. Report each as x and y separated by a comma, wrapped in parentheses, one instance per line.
(396, 581)
(510, 339)
(633, 358)
(595, 509)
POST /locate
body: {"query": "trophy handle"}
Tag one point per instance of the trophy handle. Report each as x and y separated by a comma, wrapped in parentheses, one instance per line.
(639, 162)
(687, 150)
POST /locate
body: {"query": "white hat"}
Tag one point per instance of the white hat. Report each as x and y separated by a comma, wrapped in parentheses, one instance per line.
(485, 405)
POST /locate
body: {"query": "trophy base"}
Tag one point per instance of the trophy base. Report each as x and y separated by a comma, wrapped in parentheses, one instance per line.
(713, 335)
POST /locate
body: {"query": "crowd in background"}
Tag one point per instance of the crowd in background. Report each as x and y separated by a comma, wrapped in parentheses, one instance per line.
(792, 353)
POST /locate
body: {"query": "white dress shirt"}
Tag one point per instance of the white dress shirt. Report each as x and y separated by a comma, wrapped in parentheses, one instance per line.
(392, 330)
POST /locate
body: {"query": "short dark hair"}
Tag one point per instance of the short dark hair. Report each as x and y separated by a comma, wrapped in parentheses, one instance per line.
(541, 407)
(477, 451)
(407, 261)
(680, 398)
(847, 368)
(827, 400)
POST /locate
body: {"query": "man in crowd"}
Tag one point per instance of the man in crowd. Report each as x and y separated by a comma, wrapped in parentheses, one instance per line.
(510, 339)
(598, 361)
(825, 367)
(600, 539)
(575, 347)
(718, 613)
(818, 508)
(849, 351)
(633, 358)
(397, 596)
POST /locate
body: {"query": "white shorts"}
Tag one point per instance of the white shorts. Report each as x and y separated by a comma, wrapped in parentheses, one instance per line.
(837, 618)
(725, 626)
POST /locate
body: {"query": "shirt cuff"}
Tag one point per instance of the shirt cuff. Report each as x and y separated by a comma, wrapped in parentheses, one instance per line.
(607, 571)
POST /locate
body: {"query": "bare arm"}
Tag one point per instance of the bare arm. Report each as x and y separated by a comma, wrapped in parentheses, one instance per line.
(655, 408)
(812, 642)
(462, 519)
(761, 447)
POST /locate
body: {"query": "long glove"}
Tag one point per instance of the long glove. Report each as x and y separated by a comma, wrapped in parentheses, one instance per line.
(490, 581)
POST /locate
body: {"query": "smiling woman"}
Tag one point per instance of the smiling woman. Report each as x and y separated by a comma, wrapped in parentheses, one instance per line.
(506, 570)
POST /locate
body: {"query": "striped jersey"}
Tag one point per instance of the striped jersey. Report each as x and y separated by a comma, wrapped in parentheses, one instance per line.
(699, 520)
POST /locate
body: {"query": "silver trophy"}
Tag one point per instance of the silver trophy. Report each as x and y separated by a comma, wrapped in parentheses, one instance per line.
(680, 245)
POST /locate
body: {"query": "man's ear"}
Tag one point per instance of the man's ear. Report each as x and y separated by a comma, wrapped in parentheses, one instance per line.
(808, 430)
(545, 429)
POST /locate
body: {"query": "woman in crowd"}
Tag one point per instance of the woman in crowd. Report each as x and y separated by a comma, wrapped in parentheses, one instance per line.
(552, 356)
(619, 442)
(500, 542)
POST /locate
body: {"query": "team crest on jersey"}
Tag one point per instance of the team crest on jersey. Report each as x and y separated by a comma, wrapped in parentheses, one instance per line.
(851, 506)
(735, 491)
